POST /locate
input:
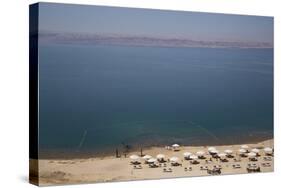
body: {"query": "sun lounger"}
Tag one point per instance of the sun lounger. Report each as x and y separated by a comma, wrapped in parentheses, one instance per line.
(153, 165)
(243, 155)
(266, 164)
(176, 164)
(223, 160)
(214, 171)
(135, 162)
(251, 169)
(203, 168)
(167, 170)
(201, 157)
(235, 166)
(137, 167)
(253, 159)
(267, 158)
(194, 162)
(218, 166)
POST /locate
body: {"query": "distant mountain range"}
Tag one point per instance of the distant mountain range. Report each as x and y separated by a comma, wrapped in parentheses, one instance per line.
(117, 39)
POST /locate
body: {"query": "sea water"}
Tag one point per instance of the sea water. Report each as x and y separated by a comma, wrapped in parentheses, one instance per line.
(100, 98)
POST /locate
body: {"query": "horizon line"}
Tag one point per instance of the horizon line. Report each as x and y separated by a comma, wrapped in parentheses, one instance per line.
(142, 40)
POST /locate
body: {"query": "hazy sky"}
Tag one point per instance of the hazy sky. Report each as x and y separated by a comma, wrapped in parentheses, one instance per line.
(158, 23)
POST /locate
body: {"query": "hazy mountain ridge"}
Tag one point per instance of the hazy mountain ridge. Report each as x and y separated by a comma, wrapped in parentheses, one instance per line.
(116, 39)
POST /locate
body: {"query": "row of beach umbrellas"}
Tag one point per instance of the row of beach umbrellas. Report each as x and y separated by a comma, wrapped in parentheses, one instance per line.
(148, 158)
(244, 149)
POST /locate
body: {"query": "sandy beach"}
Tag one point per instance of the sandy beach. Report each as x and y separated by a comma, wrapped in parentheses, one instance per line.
(110, 168)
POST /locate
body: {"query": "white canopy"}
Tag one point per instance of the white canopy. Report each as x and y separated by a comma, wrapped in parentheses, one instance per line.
(214, 151)
(174, 159)
(222, 155)
(160, 156)
(193, 157)
(252, 154)
(134, 157)
(228, 151)
(211, 148)
(187, 154)
(245, 147)
(152, 160)
(175, 145)
(146, 157)
(268, 150)
(200, 153)
(255, 150)
(242, 151)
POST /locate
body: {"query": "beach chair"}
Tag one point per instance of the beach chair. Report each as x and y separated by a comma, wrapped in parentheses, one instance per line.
(253, 159)
(194, 162)
(229, 156)
(214, 171)
(267, 159)
(203, 168)
(236, 166)
(266, 164)
(153, 165)
(201, 157)
(224, 160)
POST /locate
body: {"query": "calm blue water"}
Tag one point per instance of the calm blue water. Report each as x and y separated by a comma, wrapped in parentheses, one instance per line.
(96, 98)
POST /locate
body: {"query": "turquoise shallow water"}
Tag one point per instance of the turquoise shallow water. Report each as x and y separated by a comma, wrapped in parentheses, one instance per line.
(97, 98)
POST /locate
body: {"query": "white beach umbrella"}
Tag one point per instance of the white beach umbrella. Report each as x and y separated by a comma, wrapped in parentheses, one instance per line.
(228, 151)
(193, 157)
(174, 159)
(134, 157)
(160, 156)
(242, 151)
(268, 150)
(222, 155)
(252, 154)
(151, 160)
(175, 145)
(214, 151)
(146, 157)
(211, 148)
(255, 150)
(187, 154)
(245, 147)
(200, 153)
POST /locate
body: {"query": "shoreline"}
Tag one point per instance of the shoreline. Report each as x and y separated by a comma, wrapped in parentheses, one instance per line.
(85, 154)
(112, 169)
